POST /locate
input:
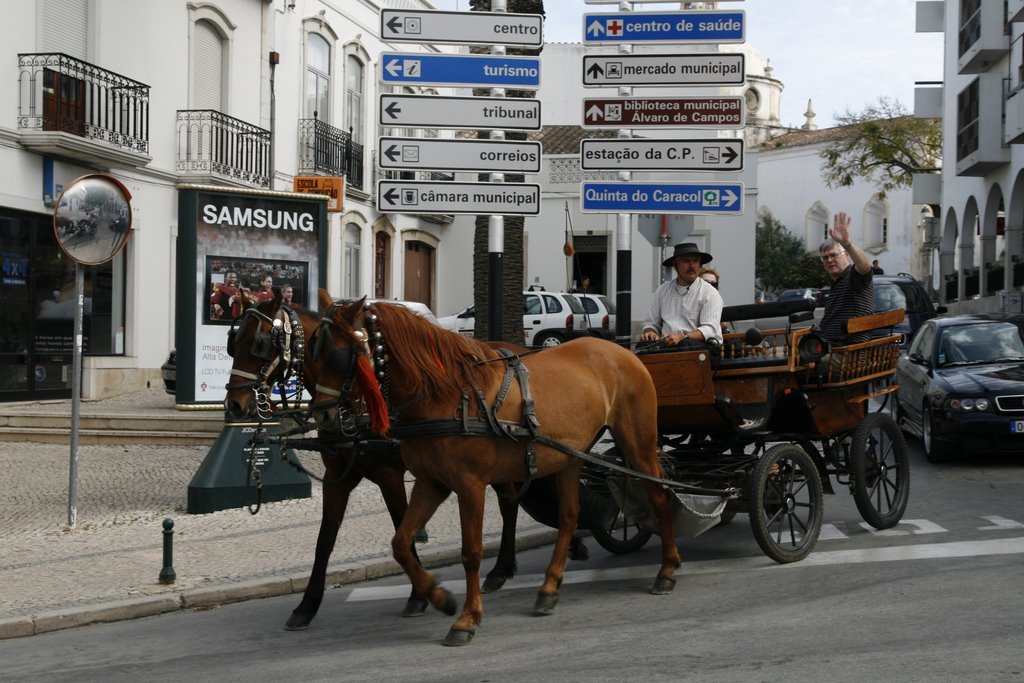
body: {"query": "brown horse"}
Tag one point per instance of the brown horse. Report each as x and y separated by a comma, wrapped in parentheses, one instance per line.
(438, 379)
(264, 345)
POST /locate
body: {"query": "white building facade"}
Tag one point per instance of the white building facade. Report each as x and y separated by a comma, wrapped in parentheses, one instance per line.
(976, 208)
(244, 94)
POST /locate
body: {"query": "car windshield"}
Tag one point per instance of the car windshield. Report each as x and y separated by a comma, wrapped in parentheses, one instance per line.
(574, 304)
(892, 295)
(982, 342)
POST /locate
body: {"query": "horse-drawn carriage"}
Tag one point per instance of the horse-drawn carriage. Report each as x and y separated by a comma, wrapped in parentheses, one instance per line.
(764, 425)
(741, 424)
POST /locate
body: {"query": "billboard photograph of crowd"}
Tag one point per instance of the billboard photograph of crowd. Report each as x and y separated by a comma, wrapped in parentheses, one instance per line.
(234, 282)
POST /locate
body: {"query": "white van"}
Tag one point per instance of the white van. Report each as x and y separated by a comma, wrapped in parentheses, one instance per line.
(549, 318)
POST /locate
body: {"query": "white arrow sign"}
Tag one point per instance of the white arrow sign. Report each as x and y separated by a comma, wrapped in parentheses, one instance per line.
(459, 155)
(636, 154)
(442, 197)
(435, 111)
(462, 28)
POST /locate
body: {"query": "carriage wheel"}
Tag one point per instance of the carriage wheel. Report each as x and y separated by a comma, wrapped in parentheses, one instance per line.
(786, 503)
(620, 535)
(879, 471)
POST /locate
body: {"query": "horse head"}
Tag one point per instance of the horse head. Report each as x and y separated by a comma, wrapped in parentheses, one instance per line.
(339, 358)
(266, 343)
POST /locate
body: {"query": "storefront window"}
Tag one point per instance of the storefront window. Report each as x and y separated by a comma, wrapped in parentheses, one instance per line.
(37, 308)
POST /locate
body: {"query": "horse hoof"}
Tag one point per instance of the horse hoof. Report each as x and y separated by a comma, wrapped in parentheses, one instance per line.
(663, 585)
(493, 582)
(458, 637)
(415, 607)
(578, 550)
(298, 622)
(545, 604)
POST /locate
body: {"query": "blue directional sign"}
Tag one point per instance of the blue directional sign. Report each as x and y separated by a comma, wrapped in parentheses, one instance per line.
(496, 71)
(713, 26)
(722, 199)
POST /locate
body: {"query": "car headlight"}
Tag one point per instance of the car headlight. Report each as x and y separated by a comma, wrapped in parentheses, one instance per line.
(970, 404)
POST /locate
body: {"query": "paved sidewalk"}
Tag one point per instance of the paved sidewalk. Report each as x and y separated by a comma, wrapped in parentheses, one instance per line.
(107, 568)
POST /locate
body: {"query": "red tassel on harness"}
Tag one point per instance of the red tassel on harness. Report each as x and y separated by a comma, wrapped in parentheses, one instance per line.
(376, 406)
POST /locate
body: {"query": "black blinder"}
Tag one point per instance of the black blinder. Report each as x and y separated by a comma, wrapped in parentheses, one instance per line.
(263, 346)
(340, 360)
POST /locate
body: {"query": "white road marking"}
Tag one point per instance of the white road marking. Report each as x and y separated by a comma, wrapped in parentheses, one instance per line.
(918, 526)
(830, 532)
(924, 551)
(1000, 523)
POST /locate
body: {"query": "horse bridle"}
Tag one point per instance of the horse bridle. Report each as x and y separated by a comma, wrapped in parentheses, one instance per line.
(283, 343)
(341, 361)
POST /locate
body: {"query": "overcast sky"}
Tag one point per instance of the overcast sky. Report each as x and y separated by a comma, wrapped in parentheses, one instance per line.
(839, 53)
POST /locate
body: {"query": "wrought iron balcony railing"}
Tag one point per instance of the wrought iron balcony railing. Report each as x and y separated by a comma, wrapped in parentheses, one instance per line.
(57, 92)
(215, 144)
(329, 150)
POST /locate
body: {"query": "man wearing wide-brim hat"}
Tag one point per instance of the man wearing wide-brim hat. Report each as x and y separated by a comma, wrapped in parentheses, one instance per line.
(686, 309)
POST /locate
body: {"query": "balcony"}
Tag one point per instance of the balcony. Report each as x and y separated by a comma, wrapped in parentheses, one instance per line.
(328, 150)
(70, 108)
(983, 36)
(928, 99)
(1015, 10)
(215, 147)
(979, 138)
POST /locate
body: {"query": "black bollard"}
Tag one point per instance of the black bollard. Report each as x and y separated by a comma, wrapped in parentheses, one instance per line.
(167, 574)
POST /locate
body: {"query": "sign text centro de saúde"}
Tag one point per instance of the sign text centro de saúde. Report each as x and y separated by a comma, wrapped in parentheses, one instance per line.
(663, 112)
(462, 28)
(443, 197)
(718, 198)
(441, 111)
(721, 26)
(715, 68)
(496, 71)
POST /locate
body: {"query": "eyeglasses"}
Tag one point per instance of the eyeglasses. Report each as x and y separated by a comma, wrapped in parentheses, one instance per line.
(831, 257)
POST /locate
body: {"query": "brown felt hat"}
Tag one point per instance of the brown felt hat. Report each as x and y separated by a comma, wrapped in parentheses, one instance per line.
(685, 249)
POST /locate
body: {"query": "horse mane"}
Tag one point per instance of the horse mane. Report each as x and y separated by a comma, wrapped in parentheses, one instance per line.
(435, 362)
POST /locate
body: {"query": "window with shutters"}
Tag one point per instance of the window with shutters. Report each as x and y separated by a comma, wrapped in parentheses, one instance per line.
(318, 78)
(207, 66)
(351, 251)
(66, 27)
(354, 79)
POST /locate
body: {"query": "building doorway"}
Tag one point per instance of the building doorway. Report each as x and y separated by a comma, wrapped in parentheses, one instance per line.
(419, 272)
(590, 260)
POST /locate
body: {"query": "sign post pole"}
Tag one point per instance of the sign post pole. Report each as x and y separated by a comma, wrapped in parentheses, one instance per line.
(76, 392)
(496, 226)
(624, 237)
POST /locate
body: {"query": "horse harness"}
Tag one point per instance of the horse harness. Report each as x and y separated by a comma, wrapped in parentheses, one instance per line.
(283, 343)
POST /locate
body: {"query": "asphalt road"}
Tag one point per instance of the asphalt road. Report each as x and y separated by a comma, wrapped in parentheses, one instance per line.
(938, 598)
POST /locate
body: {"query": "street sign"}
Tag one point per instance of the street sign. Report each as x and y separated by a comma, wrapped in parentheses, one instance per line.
(462, 28)
(498, 71)
(332, 186)
(646, 2)
(437, 111)
(663, 112)
(459, 155)
(713, 26)
(640, 197)
(638, 154)
(713, 68)
(441, 197)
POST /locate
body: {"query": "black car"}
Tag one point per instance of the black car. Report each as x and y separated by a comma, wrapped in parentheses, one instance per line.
(169, 371)
(961, 385)
(903, 291)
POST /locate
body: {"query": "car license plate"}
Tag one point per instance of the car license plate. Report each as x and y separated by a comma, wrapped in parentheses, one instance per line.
(1017, 426)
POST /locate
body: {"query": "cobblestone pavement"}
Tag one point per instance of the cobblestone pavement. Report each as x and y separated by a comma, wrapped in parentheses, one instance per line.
(108, 566)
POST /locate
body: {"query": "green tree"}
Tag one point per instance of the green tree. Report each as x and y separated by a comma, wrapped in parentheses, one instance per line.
(512, 260)
(780, 260)
(883, 145)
